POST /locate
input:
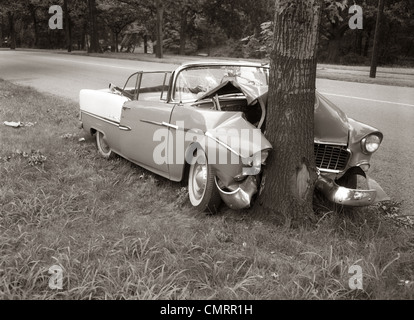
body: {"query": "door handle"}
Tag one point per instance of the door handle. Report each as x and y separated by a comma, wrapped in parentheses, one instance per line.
(125, 128)
(126, 108)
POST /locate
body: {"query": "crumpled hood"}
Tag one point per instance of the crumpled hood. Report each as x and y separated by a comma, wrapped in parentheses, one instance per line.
(252, 92)
(237, 133)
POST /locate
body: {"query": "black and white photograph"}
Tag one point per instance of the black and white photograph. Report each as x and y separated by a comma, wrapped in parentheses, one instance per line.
(211, 156)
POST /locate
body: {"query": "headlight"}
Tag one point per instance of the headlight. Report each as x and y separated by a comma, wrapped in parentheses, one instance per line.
(371, 143)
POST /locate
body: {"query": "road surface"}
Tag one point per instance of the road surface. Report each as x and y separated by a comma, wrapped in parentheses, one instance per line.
(389, 108)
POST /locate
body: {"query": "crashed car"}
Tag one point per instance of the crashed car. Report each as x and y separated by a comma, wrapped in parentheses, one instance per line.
(204, 123)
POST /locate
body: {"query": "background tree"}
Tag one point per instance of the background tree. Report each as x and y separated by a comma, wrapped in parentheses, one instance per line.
(117, 16)
(159, 53)
(94, 40)
(216, 27)
(67, 26)
(290, 174)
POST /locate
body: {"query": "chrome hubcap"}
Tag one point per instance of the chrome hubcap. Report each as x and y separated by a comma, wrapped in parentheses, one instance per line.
(199, 180)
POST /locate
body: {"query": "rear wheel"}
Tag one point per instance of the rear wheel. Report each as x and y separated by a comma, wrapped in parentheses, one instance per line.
(103, 146)
(202, 189)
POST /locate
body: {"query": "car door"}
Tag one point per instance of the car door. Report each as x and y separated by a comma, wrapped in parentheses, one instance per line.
(141, 126)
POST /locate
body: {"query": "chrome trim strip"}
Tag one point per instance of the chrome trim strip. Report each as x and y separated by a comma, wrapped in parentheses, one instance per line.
(113, 122)
(209, 135)
(331, 143)
(152, 122)
(165, 124)
(328, 170)
(125, 128)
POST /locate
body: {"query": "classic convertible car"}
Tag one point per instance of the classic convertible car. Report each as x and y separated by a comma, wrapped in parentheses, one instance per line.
(204, 122)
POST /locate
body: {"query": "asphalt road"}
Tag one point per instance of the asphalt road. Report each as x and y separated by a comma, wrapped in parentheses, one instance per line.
(389, 108)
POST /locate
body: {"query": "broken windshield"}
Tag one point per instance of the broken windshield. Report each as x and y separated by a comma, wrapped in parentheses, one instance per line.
(193, 83)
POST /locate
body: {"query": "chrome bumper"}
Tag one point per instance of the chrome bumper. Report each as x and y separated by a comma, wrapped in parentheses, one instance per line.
(242, 196)
(351, 197)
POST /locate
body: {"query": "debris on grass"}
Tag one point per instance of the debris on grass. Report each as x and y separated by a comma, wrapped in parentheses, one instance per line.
(391, 212)
(12, 124)
(19, 124)
(34, 158)
(406, 283)
(68, 136)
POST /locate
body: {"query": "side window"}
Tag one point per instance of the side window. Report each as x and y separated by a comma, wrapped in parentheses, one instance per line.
(130, 87)
(153, 86)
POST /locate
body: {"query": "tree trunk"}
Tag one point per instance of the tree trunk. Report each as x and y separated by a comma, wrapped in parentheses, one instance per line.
(289, 177)
(145, 43)
(94, 45)
(35, 27)
(334, 50)
(358, 42)
(375, 49)
(12, 31)
(160, 12)
(183, 33)
(68, 27)
(1, 30)
(366, 44)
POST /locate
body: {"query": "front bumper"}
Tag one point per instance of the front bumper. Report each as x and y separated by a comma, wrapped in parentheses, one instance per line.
(351, 197)
(242, 196)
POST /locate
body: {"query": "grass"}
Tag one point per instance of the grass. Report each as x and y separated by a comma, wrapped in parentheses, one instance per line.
(120, 232)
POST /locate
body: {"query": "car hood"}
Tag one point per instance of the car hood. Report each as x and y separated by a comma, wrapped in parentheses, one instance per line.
(331, 123)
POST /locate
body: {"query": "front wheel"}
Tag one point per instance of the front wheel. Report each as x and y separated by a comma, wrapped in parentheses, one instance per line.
(103, 146)
(202, 189)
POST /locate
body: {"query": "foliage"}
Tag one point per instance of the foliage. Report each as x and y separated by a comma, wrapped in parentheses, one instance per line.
(199, 26)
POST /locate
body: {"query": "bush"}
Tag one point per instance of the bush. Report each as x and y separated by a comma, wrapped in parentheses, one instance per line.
(354, 59)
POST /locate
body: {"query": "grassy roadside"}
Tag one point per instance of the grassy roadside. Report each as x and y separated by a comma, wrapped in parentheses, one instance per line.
(119, 232)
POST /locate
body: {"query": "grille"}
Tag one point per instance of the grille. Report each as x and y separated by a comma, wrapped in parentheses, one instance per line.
(331, 157)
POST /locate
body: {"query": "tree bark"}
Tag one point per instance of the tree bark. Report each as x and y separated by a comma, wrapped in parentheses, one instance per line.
(366, 44)
(183, 32)
(289, 177)
(68, 27)
(358, 42)
(145, 43)
(334, 47)
(160, 12)
(375, 49)
(94, 45)
(32, 9)
(12, 31)
(1, 30)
